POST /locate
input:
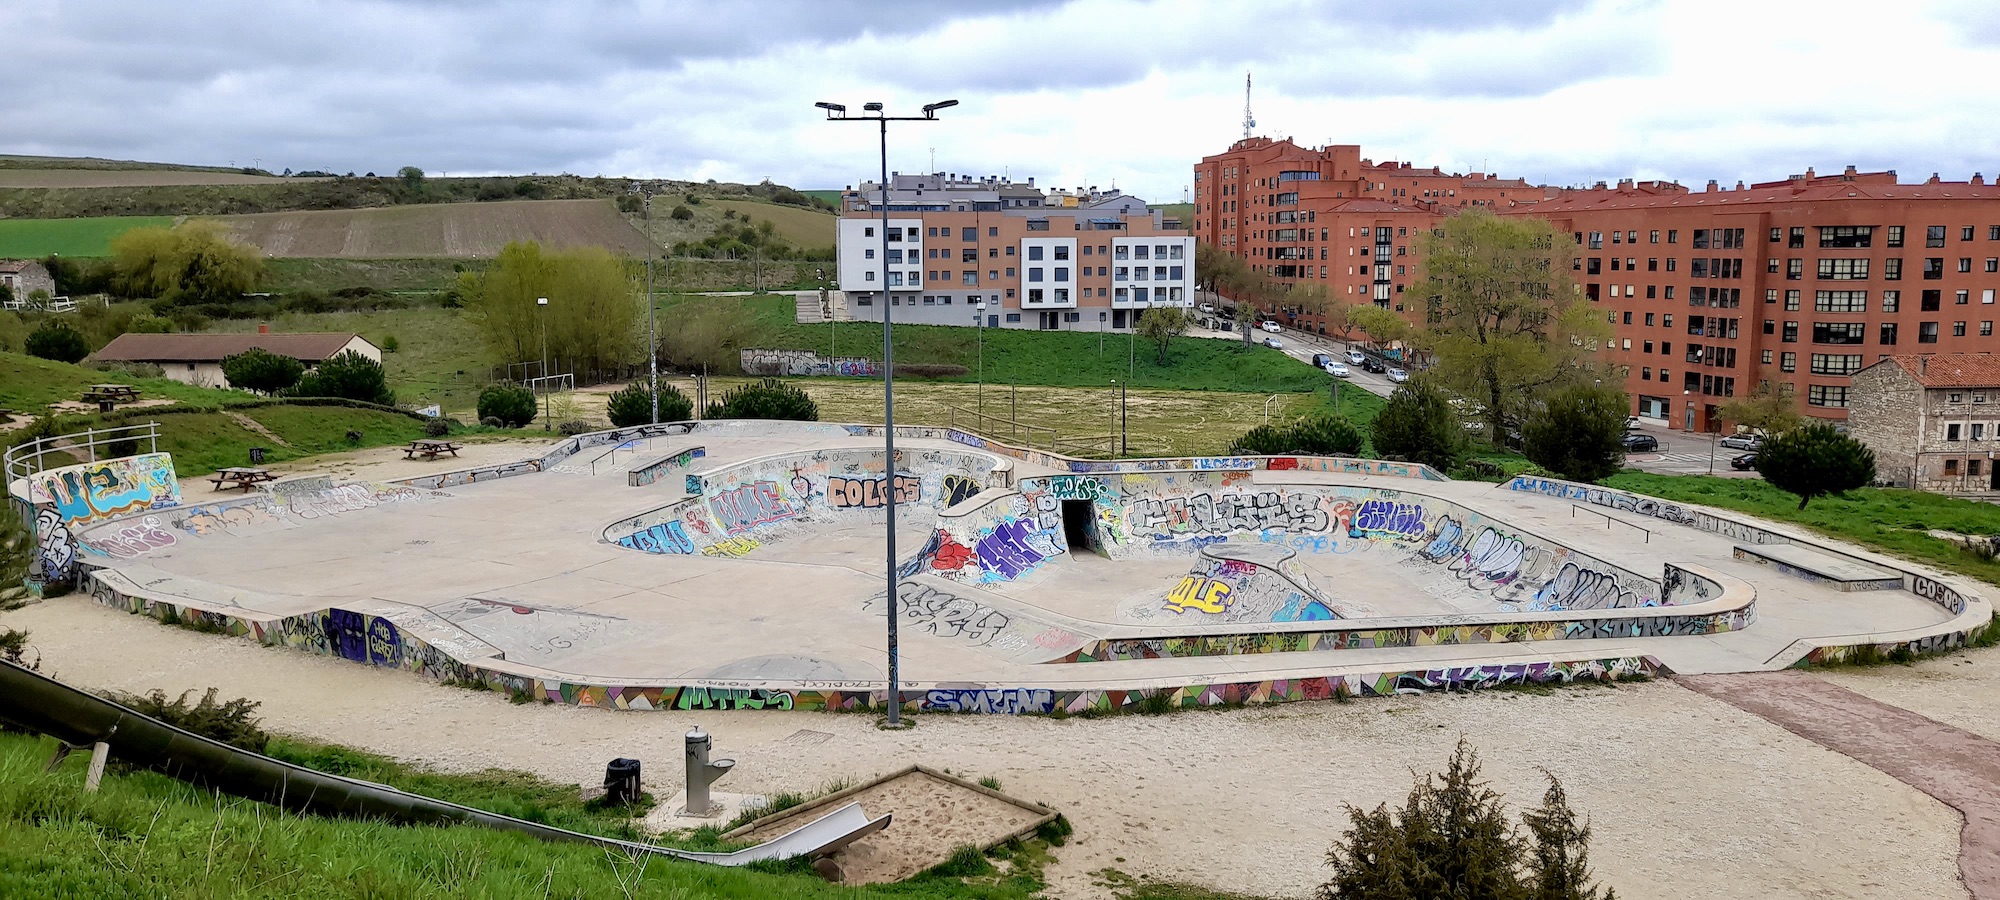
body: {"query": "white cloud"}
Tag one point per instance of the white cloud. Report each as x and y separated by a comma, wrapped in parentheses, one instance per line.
(1082, 92)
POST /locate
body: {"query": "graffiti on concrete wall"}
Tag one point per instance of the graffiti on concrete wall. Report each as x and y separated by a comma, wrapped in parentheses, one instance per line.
(743, 508)
(130, 538)
(96, 491)
(943, 613)
(956, 489)
(1013, 548)
(666, 538)
(757, 361)
(1005, 701)
(843, 492)
(1209, 595)
(1388, 518)
(1597, 496)
(653, 471)
(55, 547)
(1248, 511)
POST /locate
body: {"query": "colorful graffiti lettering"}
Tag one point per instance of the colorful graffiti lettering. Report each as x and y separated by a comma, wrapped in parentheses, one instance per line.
(1206, 513)
(696, 522)
(741, 509)
(1575, 587)
(951, 555)
(1006, 701)
(1389, 519)
(732, 698)
(125, 540)
(956, 489)
(666, 538)
(1195, 592)
(732, 548)
(1073, 487)
(55, 546)
(1013, 548)
(101, 490)
(843, 492)
(945, 614)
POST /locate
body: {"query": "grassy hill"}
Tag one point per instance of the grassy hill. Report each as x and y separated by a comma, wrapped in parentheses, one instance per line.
(804, 228)
(97, 178)
(18, 161)
(450, 230)
(33, 238)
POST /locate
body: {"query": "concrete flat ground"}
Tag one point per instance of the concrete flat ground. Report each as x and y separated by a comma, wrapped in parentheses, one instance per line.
(519, 565)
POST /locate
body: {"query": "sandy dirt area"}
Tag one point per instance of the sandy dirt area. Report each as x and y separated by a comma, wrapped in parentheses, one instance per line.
(1689, 797)
(1962, 689)
(933, 817)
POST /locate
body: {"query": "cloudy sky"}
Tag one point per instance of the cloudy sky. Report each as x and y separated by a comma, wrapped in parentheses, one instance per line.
(1097, 92)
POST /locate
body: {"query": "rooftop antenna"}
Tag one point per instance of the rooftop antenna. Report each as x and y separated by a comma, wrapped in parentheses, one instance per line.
(1249, 122)
(933, 160)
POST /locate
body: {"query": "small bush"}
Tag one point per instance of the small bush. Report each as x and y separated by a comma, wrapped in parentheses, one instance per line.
(1321, 435)
(493, 422)
(390, 344)
(768, 399)
(437, 428)
(55, 339)
(350, 376)
(354, 437)
(990, 783)
(232, 723)
(572, 429)
(260, 370)
(14, 648)
(682, 213)
(512, 404)
(634, 405)
(965, 862)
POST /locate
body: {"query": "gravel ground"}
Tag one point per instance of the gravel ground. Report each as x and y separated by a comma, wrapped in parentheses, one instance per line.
(1688, 797)
(1962, 689)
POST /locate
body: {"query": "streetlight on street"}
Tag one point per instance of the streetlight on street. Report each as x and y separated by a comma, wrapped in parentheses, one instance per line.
(1123, 447)
(652, 333)
(541, 316)
(838, 113)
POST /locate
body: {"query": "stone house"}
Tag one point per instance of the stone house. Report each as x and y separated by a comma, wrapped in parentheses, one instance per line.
(1933, 421)
(22, 277)
(197, 358)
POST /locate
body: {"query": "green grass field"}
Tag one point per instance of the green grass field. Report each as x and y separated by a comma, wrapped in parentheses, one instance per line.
(290, 275)
(440, 359)
(28, 384)
(35, 238)
(804, 228)
(145, 835)
(1887, 519)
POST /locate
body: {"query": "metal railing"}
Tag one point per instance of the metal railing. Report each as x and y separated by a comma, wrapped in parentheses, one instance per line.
(1608, 520)
(32, 457)
(979, 422)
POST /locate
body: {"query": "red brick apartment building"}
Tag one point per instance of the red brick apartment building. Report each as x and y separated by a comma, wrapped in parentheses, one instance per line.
(1800, 282)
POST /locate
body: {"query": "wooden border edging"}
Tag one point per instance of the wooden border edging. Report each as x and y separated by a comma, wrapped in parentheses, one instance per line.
(1047, 815)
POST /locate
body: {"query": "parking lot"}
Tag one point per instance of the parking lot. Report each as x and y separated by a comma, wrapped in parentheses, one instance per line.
(1682, 453)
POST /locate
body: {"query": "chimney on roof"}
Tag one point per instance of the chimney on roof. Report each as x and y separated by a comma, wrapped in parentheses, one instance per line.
(1933, 179)
(1978, 178)
(1809, 173)
(263, 328)
(1850, 172)
(1739, 184)
(1598, 186)
(1624, 183)
(1711, 184)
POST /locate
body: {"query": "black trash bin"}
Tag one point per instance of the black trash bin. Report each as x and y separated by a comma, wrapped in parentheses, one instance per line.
(256, 456)
(621, 782)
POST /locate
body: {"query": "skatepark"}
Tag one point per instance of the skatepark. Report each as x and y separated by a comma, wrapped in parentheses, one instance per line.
(742, 565)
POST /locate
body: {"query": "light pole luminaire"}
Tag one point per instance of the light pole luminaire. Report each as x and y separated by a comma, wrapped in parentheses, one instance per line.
(837, 113)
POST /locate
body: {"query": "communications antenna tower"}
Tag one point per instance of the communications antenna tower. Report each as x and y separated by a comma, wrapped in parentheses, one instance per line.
(1249, 123)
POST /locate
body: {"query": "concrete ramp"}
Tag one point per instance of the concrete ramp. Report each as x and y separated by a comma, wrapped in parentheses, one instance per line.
(939, 608)
(1834, 570)
(1233, 583)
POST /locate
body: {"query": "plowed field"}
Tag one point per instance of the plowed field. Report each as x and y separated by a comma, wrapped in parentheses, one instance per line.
(443, 229)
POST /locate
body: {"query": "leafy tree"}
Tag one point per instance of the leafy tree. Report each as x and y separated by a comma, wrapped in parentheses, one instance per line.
(1767, 409)
(348, 375)
(511, 404)
(232, 722)
(195, 263)
(1418, 424)
(1578, 432)
(1502, 317)
(634, 405)
(1558, 866)
(592, 318)
(681, 213)
(413, 177)
(260, 370)
(1815, 460)
(1321, 435)
(1160, 325)
(1381, 325)
(768, 399)
(55, 339)
(706, 335)
(1451, 839)
(17, 549)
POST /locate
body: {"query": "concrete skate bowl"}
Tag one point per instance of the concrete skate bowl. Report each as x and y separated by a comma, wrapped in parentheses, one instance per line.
(825, 507)
(1206, 562)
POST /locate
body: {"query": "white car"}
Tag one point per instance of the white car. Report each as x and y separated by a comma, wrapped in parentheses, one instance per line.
(1208, 308)
(1274, 343)
(1271, 327)
(1398, 376)
(1631, 423)
(1355, 358)
(1337, 370)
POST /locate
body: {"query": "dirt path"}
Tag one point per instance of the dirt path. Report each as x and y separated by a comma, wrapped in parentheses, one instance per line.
(1956, 766)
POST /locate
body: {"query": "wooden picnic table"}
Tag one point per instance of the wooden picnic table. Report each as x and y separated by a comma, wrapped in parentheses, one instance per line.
(429, 449)
(107, 395)
(241, 477)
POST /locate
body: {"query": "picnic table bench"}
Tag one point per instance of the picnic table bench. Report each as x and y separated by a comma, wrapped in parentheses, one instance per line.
(105, 395)
(429, 449)
(241, 477)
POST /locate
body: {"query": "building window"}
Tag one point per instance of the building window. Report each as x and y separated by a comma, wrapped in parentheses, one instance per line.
(1798, 237)
(1837, 332)
(1892, 269)
(1934, 235)
(1035, 252)
(1958, 329)
(1927, 332)
(1930, 300)
(1891, 301)
(1846, 236)
(1963, 297)
(1792, 301)
(1965, 233)
(1888, 334)
(1835, 363)
(1767, 353)
(1826, 395)
(1965, 264)
(1933, 268)
(1062, 273)
(1850, 269)
(1788, 361)
(1795, 269)
(1791, 333)
(1894, 237)
(1986, 328)
(1840, 301)
(1951, 432)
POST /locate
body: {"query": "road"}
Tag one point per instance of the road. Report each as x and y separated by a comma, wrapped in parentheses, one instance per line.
(1302, 346)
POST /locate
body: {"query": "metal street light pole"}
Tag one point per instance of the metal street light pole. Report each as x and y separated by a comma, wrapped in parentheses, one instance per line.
(1124, 446)
(979, 326)
(652, 332)
(838, 113)
(541, 305)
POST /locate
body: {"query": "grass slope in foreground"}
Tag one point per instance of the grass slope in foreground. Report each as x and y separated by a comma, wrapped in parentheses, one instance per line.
(36, 238)
(145, 835)
(1068, 358)
(1892, 520)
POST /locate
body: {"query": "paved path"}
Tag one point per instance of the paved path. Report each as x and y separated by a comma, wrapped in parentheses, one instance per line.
(1959, 768)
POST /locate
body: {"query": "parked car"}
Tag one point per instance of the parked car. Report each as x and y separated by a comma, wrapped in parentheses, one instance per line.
(1274, 343)
(1337, 369)
(1743, 441)
(1744, 463)
(1371, 364)
(1271, 327)
(1631, 423)
(1321, 360)
(1356, 357)
(1208, 308)
(1398, 375)
(1641, 442)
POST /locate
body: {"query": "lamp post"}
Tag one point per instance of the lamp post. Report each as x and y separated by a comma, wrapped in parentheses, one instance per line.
(652, 333)
(979, 326)
(542, 304)
(826, 311)
(837, 113)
